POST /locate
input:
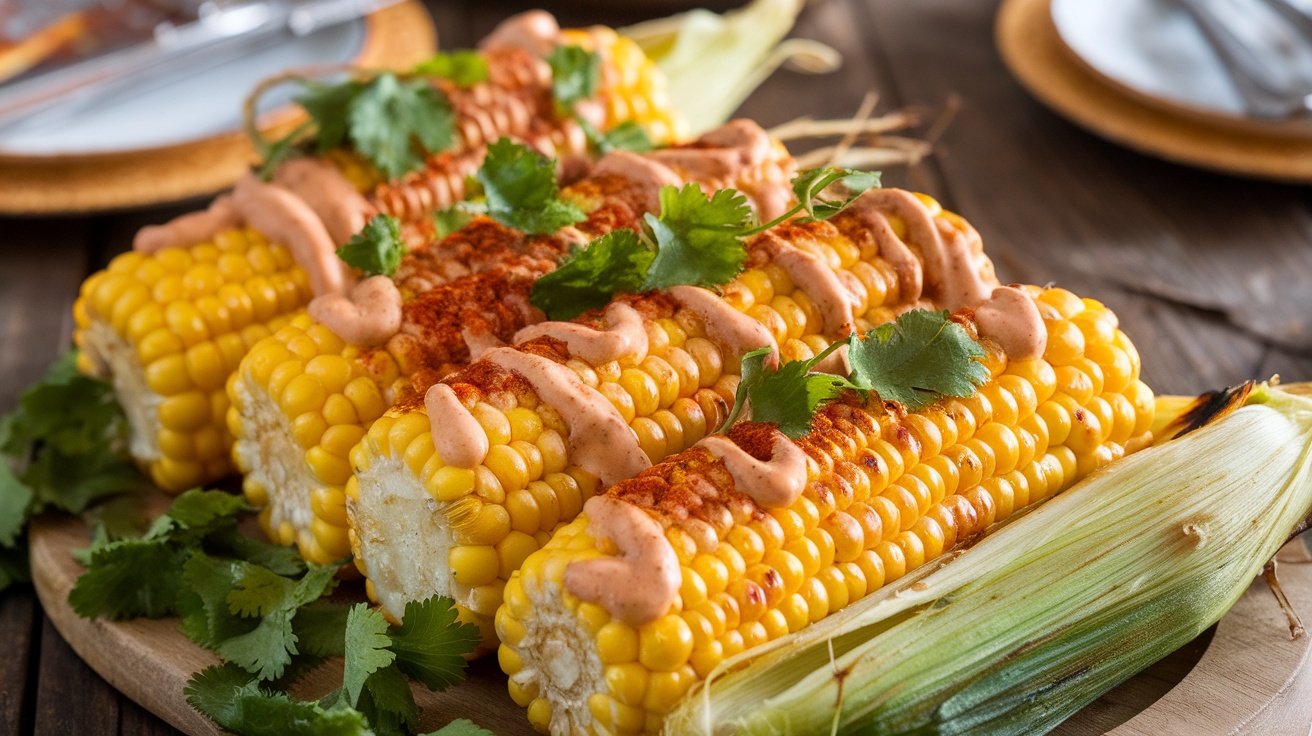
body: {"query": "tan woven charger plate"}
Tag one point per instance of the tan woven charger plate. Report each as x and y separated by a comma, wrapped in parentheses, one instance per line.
(1035, 54)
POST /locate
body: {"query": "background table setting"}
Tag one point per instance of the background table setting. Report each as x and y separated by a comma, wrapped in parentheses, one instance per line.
(1194, 225)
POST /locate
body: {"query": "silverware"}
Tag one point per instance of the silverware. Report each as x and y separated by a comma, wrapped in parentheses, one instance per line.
(221, 32)
(1265, 47)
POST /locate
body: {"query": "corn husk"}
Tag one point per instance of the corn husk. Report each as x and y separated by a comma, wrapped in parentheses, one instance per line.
(743, 47)
(1055, 608)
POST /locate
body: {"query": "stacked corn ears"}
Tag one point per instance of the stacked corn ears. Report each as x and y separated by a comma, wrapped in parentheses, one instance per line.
(302, 399)
(170, 322)
(885, 491)
(420, 524)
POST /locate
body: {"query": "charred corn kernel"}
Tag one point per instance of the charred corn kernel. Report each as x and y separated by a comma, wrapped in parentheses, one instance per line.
(901, 490)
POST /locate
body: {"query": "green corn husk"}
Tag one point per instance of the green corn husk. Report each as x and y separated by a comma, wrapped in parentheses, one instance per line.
(1043, 616)
(743, 46)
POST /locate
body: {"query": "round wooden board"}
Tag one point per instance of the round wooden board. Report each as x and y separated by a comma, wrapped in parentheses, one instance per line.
(1034, 52)
(1252, 678)
(396, 37)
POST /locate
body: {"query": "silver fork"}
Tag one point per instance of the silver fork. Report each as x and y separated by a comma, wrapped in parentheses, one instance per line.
(1266, 48)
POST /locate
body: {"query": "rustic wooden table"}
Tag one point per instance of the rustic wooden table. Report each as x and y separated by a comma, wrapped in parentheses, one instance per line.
(1211, 275)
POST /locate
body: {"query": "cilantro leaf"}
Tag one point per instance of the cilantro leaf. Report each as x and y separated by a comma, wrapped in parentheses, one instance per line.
(328, 106)
(918, 359)
(575, 74)
(319, 626)
(787, 396)
(464, 68)
(614, 263)
(388, 703)
(391, 122)
(430, 645)
(130, 578)
(376, 250)
(521, 189)
(244, 612)
(234, 700)
(697, 238)
(15, 501)
(627, 136)
(199, 511)
(809, 184)
(366, 649)
(461, 727)
(453, 219)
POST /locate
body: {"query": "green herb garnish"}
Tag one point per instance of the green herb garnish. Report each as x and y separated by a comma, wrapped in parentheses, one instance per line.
(376, 250)
(627, 136)
(392, 123)
(920, 358)
(464, 68)
(575, 75)
(521, 189)
(63, 448)
(695, 240)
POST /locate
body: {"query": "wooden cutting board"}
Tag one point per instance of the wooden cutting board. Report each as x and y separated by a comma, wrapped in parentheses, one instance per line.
(1247, 676)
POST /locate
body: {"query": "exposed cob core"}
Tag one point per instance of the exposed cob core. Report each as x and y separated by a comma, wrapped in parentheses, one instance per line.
(885, 491)
(424, 522)
(167, 329)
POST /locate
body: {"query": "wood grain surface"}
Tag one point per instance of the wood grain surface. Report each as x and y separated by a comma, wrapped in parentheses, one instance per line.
(1210, 274)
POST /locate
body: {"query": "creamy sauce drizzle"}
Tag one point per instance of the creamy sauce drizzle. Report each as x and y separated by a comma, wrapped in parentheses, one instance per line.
(457, 435)
(284, 218)
(639, 585)
(600, 441)
(534, 31)
(774, 483)
(625, 336)
(188, 229)
(368, 316)
(950, 273)
(735, 332)
(641, 173)
(329, 193)
(822, 284)
(276, 212)
(480, 342)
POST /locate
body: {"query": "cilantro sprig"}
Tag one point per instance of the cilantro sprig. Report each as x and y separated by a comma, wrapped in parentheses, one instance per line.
(64, 448)
(916, 360)
(464, 68)
(575, 75)
(266, 613)
(394, 123)
(377, 249)
(519, 191)
(695, 240)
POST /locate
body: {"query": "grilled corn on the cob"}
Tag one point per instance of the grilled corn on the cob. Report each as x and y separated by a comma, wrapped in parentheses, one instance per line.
(304, 397)
(884, 492)
(423, 523)
(170, 327)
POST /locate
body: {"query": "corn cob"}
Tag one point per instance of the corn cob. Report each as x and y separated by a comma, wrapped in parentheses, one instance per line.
(169, 328)
(516, 101)
(1151, 552)
(183, 443)
(419, 525)
(885, 491)
(304, 397)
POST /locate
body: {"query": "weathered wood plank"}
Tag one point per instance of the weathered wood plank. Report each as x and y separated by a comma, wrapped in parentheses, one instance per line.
(18, 610)
(71, 698)
(1055, 204)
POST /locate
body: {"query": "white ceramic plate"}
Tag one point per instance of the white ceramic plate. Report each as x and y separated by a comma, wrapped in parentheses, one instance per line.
(185, 109)
(1153, 48)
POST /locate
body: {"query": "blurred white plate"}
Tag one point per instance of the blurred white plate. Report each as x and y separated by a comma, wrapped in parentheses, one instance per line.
(1153, 49)
(186, 108)
(186, 140)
